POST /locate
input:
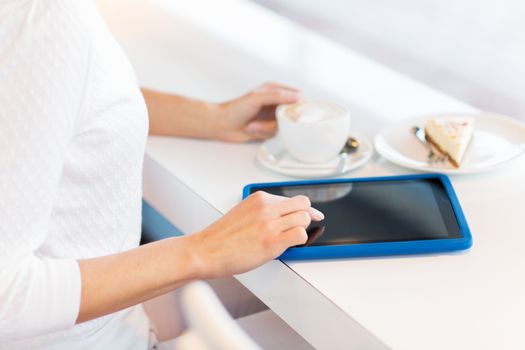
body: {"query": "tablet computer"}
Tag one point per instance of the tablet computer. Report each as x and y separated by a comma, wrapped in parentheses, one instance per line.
(377, 216)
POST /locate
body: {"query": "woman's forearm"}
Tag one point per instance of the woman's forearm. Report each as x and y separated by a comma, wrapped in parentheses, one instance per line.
(249, 117)
(259, 229)
(112, 283)
(173, 115)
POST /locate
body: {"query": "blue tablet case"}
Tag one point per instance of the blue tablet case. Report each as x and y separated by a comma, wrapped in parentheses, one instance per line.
(383, 248)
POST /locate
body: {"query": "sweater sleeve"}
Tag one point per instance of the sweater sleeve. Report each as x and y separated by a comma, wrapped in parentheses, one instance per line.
(44, 59)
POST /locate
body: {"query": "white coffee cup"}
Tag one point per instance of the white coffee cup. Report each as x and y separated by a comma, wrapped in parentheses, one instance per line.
(313, 132)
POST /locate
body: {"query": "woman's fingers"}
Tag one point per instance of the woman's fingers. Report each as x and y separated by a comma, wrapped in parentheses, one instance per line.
(299, 203)
(261, 129)
(276, 96)
(252, 116)
(315, 214)
(286, 205)
(289, 205)
(298, 218)
(285, 212)
(292, 237)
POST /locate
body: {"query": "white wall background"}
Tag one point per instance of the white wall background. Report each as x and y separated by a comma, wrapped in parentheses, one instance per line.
(473, 50)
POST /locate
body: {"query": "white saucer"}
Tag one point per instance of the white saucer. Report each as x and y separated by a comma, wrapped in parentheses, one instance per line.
(273, 156)
(497, 140)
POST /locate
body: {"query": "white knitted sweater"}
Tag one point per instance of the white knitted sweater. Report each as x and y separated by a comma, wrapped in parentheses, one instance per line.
(73, 126)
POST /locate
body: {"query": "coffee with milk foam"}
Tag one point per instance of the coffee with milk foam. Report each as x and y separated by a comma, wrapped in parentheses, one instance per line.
(312, 131)
(312, 112)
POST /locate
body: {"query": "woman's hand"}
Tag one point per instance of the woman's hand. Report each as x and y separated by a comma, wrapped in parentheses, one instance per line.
(252, 116)
(257, 230)
(249, 117)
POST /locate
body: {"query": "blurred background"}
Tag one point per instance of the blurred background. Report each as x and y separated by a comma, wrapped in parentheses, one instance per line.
(473, 50)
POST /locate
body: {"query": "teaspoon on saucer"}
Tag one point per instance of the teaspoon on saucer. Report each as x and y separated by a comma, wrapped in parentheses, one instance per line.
(351, 145)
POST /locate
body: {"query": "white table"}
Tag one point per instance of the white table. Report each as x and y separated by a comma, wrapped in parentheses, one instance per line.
(217, 50)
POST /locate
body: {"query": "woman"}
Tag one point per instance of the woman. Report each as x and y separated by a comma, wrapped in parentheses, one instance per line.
(73, 126)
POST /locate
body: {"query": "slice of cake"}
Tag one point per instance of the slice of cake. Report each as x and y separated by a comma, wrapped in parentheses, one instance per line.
(451, 136)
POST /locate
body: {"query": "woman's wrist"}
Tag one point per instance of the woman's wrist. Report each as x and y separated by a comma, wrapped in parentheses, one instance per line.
(214, 120)
(184, 254)
(221, 123)
(200, 259)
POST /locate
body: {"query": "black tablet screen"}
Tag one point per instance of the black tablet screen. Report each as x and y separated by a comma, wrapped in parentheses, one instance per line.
(377, 211)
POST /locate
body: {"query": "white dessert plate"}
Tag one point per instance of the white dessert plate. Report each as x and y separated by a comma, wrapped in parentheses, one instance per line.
(273, 156)
(497, 140)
